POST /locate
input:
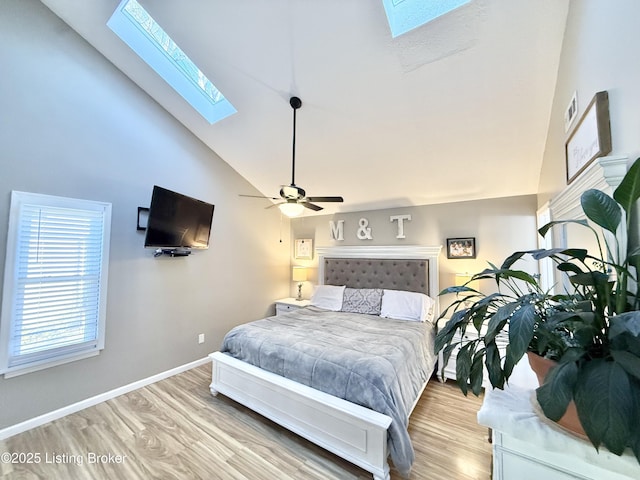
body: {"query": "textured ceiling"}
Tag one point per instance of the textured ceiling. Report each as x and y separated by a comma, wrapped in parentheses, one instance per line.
(455, 110)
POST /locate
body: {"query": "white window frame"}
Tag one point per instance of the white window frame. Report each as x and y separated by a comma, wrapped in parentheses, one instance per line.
(11, 305)
(148, 49)
(545, 265)
(406, 15)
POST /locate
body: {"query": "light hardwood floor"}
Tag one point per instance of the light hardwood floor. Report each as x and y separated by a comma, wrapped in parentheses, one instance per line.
(175, 429)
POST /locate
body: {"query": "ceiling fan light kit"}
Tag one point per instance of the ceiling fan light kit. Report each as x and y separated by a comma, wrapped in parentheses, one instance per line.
(291, 209)
(295, 198)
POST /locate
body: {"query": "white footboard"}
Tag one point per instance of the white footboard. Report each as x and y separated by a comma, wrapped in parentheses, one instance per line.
(355, 433)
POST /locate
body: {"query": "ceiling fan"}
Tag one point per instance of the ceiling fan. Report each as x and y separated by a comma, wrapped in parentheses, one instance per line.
(294, 198)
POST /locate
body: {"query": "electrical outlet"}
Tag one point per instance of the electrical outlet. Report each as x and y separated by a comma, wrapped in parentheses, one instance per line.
(201, 338)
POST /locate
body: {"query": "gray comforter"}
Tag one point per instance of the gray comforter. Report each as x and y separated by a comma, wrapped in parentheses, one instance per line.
(375, 362)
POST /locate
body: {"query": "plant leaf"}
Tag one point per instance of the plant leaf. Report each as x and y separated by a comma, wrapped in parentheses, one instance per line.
(521, 331)
(628, 322)
(544, 253)
(545, 228)
(498, 320)
(457, 289)
(511, 259)
(635, 444)
(579, 253)
(479, 313)
(569, 267)
(628, 361)
(628, 192)
(601, 209)
(584, 333)
(605, 403)
(446, 354)
(445, 335)
(635, 432)
(557, 391)
(476, 377)
(572, 354)
(519, 274)
(492, 361)
(590, 279)
(463, 367)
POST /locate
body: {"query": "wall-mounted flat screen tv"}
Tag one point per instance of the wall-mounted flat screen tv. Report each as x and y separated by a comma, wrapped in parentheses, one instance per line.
(177, 221)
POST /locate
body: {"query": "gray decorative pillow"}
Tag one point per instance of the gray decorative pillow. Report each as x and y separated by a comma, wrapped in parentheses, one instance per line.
(362, 300)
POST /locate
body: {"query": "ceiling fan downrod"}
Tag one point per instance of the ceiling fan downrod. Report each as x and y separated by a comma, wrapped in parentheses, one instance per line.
(295, 103)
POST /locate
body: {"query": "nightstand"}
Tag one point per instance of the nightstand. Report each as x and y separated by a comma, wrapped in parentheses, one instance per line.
(502, 339)
(285, 305)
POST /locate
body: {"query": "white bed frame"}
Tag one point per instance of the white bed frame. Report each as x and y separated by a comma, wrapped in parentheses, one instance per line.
(353, 432)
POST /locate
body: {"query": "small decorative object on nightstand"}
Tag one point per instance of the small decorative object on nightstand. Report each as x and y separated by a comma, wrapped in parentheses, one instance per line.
(299, 275)
(285, 305)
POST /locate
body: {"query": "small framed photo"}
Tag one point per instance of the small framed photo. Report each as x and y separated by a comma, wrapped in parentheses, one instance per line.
(461, 247)
(304, 248)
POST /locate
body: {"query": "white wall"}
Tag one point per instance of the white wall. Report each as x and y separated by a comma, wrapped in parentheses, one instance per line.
(600, 52)
(72, 125)
(500, 227)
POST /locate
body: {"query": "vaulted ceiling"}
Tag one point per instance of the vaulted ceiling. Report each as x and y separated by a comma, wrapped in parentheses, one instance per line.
(457, 109)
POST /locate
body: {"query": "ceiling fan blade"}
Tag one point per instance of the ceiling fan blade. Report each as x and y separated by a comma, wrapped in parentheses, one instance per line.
(258, 196)
(325, 199)
(311, 206)
(274, 205)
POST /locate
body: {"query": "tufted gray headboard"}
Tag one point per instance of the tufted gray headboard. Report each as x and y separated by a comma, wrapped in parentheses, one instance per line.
(397, 267)
(411, 275)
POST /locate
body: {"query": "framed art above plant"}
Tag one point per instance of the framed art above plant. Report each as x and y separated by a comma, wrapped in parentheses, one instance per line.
(461, 247)
(591, 138)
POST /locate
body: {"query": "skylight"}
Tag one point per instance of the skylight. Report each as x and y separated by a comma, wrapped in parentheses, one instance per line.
(144, 36)
(405, 15)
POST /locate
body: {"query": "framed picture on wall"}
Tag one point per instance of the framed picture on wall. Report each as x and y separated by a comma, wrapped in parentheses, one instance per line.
(304, 248)
(591, 138)
(461, 247)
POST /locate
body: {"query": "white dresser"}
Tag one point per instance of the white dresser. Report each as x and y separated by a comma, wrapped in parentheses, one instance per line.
(527, 446)
(285, 305)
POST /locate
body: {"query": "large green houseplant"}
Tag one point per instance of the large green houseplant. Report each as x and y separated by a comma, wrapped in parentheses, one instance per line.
(592, 329)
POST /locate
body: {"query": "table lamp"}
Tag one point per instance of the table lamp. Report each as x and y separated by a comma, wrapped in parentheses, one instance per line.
(299, 275)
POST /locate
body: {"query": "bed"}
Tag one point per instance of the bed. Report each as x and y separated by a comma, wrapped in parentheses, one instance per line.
(356, 433)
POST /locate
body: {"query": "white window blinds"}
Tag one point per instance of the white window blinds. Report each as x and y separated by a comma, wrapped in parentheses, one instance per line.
(55, 281)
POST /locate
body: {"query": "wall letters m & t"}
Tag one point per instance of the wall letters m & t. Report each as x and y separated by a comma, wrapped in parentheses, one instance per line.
(364, 231)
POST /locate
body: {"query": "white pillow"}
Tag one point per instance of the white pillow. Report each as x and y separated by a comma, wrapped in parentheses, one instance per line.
(328, 297)
(412, 306)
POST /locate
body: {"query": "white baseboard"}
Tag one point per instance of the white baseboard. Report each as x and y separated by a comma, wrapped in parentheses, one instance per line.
(89, 402)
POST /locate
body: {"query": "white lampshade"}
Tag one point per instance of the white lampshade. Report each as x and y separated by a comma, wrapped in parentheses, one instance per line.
(462, 278)
(291, 209)
(299, 274)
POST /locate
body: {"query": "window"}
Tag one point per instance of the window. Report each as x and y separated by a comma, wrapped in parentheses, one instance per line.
(405, 15)
(55, 282)
(144, 36)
